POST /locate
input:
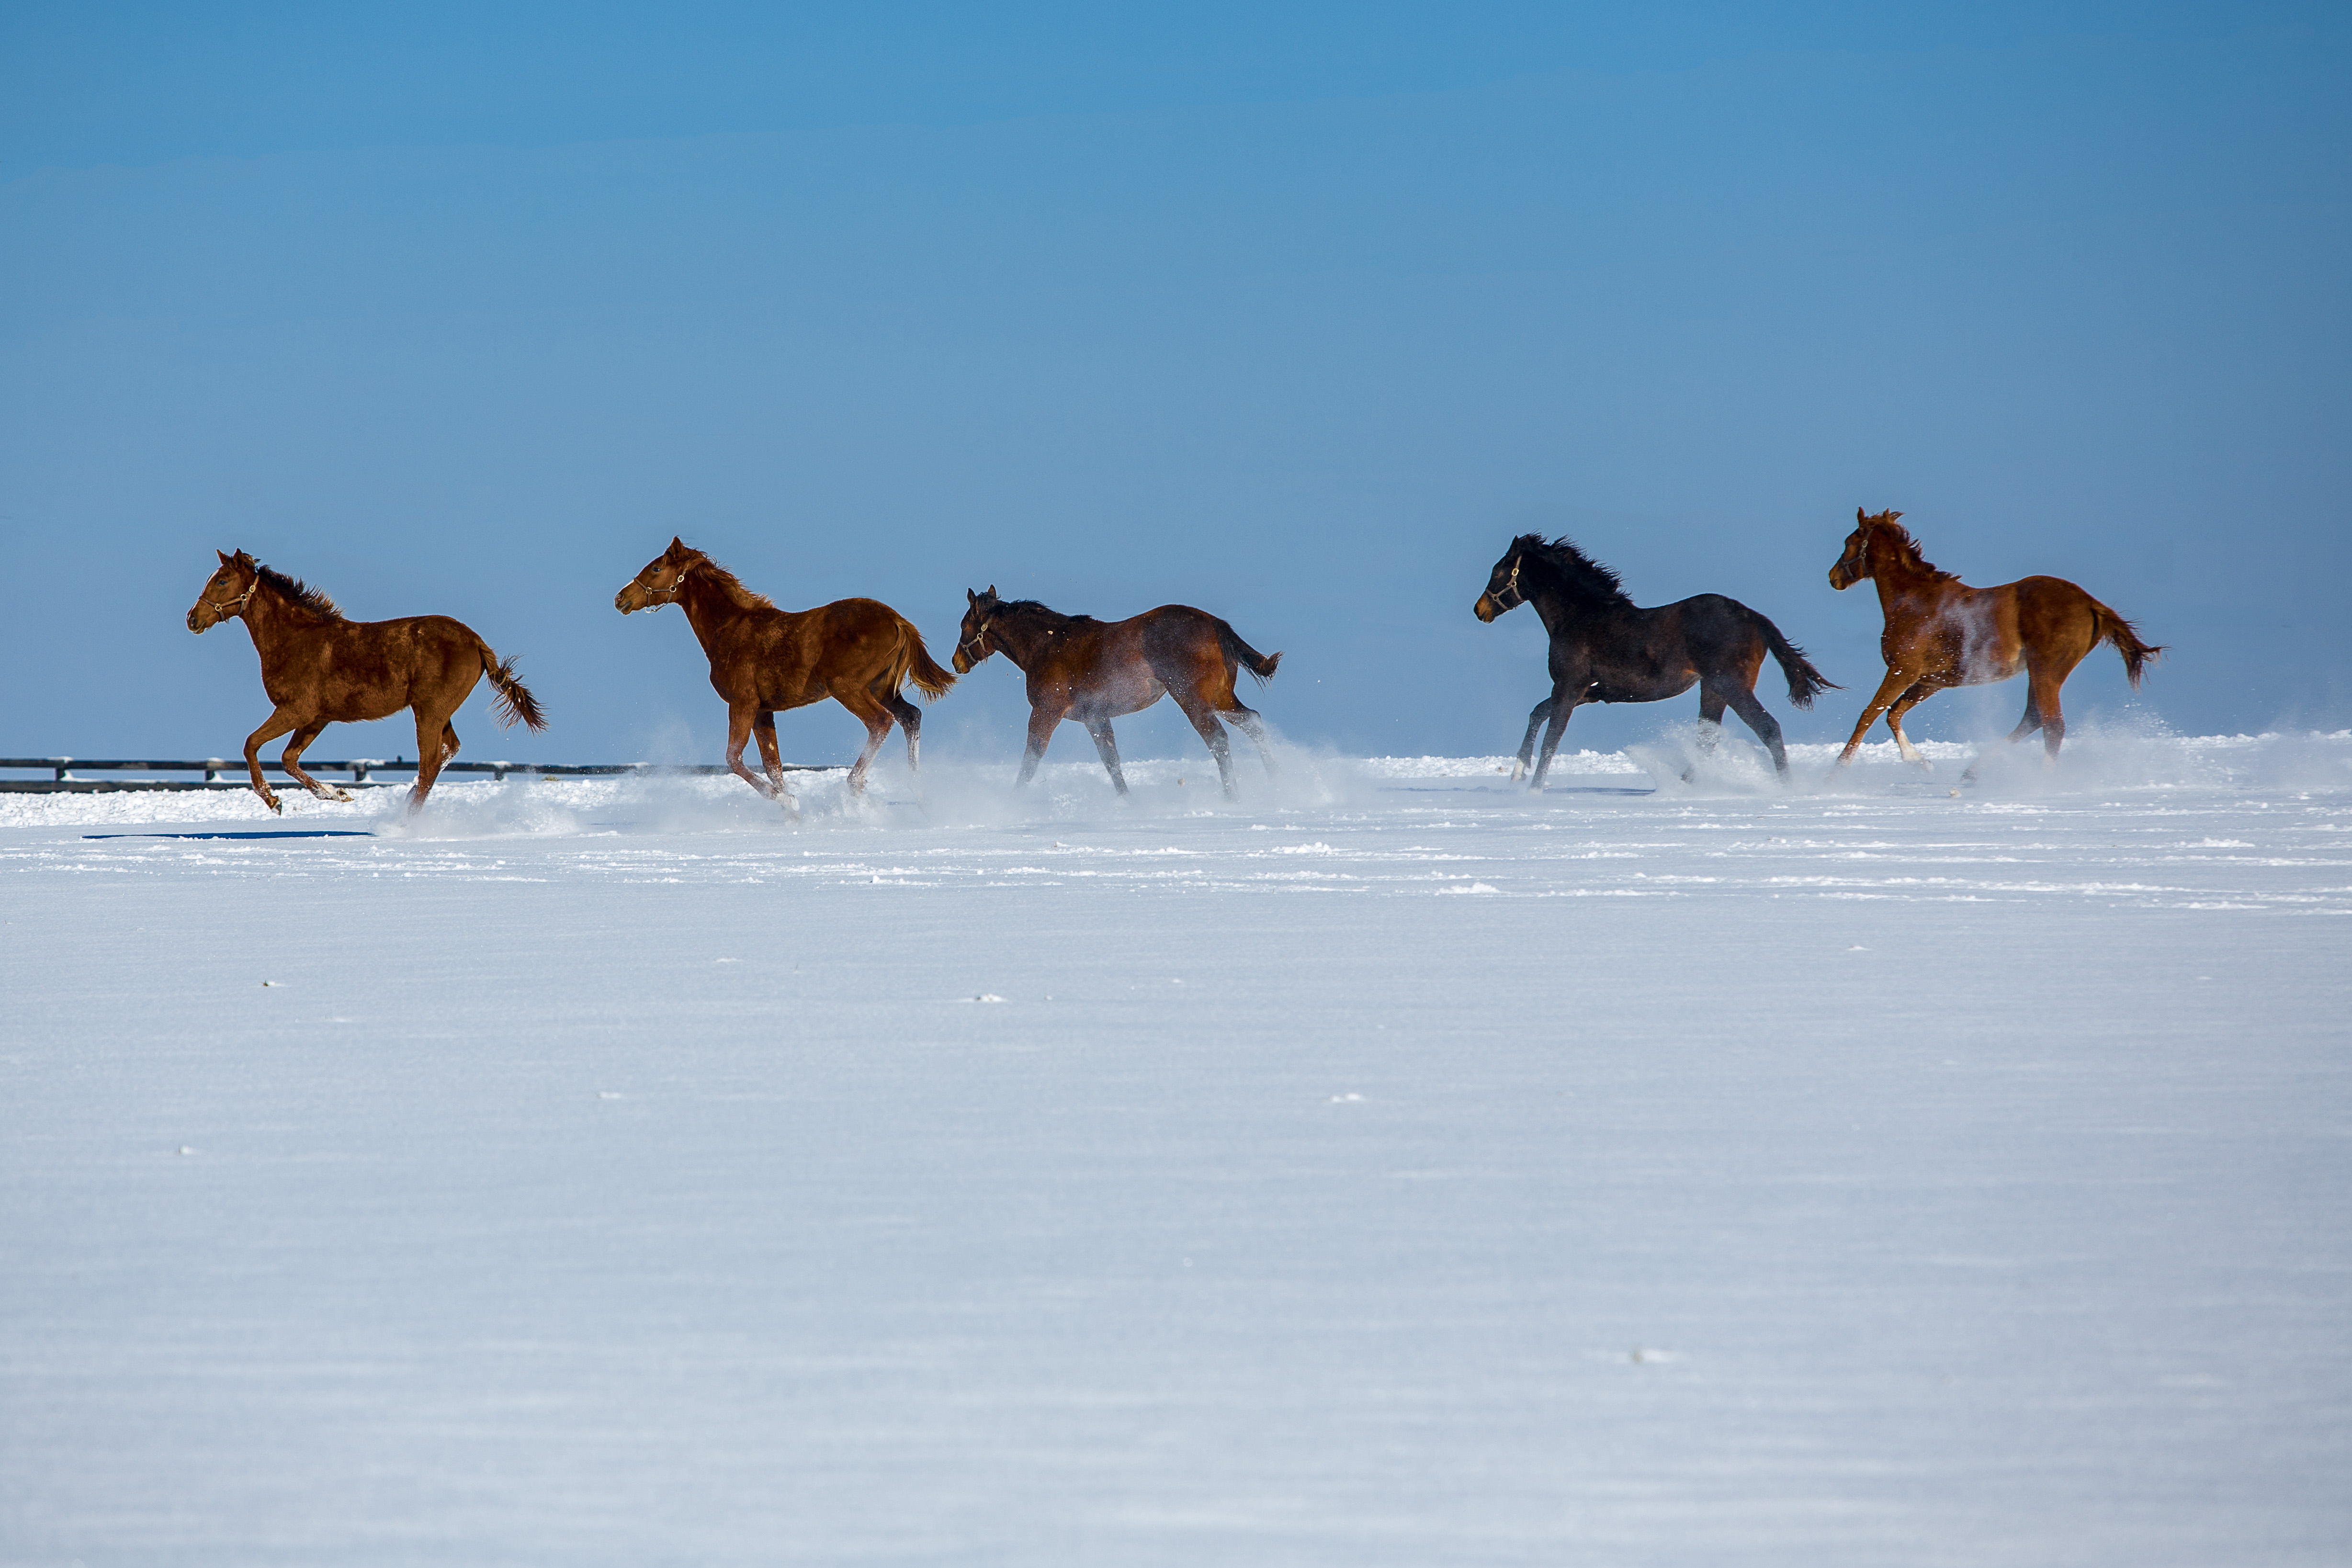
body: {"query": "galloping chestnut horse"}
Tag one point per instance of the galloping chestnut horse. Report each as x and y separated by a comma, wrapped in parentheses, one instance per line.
(1095, 671)
(321, 669)
(1607, 649)
(1942, 633)
(764, 660)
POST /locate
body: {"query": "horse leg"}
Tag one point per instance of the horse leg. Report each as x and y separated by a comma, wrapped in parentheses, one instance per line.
(1895, 684)
(741, 718)
(910, 719)
(876, 720)
(437, 743)
(1917, 693)
(293, 761)
(772, 758)
(276, 725)
(1527, 757)
(1042, 720)
(1107, 748)
(1205, 723)
(1757, 718)
(2042, 698)
(1710, 726)
(1255, 728)
(2025, 726)
(1563, 703)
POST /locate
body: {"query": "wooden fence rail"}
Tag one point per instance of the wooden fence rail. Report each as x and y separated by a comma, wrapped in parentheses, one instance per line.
(65, 772)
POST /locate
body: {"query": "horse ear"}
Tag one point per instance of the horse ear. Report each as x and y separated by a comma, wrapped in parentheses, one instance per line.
(677, 546)
(1859, 515)
(1892, 516)
(970, 597)
(992, 591)
(224, 555)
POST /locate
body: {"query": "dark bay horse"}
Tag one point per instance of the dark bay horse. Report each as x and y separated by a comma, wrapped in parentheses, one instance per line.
(1096, 671)
(764, 660)
(1941, 632)
(321, 669)
(1607, 649)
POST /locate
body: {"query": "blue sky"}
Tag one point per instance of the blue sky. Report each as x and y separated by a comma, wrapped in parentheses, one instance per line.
(1295, 313)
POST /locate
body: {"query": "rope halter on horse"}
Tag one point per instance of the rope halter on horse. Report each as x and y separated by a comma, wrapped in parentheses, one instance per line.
(669, 595)
(237, 607)
(971, 644)
(1511, 587)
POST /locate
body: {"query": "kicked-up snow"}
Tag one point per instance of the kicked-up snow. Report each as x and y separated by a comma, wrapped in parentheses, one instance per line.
(1386, 1167)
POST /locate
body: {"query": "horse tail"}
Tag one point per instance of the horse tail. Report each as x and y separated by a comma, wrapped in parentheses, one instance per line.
(1805, 682)
(2109, 627)
(513, 698)
(1241, 653)
(928, 677)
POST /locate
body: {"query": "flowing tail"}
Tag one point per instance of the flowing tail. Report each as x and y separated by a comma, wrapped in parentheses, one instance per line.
(513, 698)
(928, 677)
(2109, 626)
(1241, 653)
(1805, 682)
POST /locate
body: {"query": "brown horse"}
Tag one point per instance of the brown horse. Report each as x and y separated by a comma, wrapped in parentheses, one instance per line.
(321, 669)
(764, 660)
(1941, 632)
(1094, 672)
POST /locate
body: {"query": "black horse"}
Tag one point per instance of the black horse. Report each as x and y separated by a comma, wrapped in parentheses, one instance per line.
(1607, 649)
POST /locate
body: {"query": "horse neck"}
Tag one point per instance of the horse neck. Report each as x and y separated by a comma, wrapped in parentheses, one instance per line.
(710, 609)
(273, 621)
(1022, 635)
(1560, 604)
(1902, 581)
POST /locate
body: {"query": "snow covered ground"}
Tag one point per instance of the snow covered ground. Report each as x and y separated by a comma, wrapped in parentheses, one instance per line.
(1388, 1168)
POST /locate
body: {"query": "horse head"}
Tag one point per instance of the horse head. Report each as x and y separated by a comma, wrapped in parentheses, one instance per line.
(225, 592)
(1503, 590)
(660, 582)
(1853, 562)
(971, 640)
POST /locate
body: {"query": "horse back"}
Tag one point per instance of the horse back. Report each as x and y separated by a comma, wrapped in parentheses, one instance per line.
(350, 670)
(1623, 653)
(2055, 615)
(786, 658)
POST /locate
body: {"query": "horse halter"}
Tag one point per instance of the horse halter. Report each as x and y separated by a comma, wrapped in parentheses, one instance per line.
(237, 607)
(972, 643)
(1857, 567)
(669, 595)
(1511, 587)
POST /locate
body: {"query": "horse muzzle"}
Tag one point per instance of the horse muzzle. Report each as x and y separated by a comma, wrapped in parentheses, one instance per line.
(198, 627)
(960, 664)
(630, 600)
(1485, 609)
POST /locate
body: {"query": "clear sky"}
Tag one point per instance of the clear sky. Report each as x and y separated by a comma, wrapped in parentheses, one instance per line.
(1297, 313)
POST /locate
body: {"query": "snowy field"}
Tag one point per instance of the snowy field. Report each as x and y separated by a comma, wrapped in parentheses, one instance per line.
(1389, 1168)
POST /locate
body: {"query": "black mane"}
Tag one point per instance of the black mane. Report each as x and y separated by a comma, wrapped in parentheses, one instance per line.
(1002, 605)
(314, 600)
(1576, 571)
